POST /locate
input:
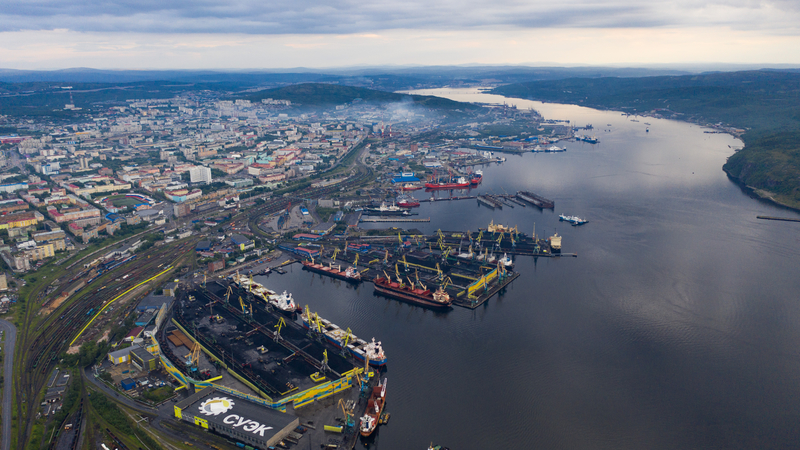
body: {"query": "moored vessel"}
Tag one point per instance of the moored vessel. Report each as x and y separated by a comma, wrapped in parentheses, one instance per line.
(350, 274)
(476, 178)
(359, 348)
(407, 202)
(283, 302)
(555, 243)
(421, 295)
(375, 404)
(386, 210)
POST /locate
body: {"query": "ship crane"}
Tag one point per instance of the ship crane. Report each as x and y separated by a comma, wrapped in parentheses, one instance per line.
(324, 366)
(281, 323)
(346, 341)
(397, 272)
(416, 274)
(348, 414)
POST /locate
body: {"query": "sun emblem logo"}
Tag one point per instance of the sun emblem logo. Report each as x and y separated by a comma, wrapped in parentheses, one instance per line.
(215, 406)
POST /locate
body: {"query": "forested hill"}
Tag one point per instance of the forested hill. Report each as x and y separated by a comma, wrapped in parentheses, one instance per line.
(766, 103)
(324, 94)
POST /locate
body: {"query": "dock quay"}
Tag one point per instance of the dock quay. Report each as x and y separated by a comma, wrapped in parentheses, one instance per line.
(489, 201)
(536, 200)
(465, 301)
(298, 372)
(461, 197)
(782, 219)
(393, 219)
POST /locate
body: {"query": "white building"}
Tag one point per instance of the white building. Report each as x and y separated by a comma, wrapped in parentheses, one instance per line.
(200, 174)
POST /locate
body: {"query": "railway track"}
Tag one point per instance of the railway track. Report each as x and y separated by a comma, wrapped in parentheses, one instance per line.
(44, 344)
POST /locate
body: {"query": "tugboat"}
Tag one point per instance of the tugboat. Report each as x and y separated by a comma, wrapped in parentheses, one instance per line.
(407, 202)
(476, 178)
(375, 404)
(411, 187)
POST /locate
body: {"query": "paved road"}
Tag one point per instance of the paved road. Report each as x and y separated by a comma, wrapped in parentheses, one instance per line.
(10, 336)
(165, 412)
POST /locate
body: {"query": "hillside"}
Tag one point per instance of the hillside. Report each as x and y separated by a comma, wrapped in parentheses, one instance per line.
(765, 103)
(323, 94)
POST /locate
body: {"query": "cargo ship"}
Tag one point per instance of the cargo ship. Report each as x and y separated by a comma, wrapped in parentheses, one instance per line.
(375, 404)
(350, 274)
(422, 296)
(283, 302)
(537, 200)
(385, 210)
(411, 187)
(340, 338)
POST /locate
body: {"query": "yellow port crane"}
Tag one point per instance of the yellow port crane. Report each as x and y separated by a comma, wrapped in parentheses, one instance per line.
(355, 262)
(195, 355)
(281, 323)
(244, 308)
(446, 252)
(348, 414)
(228, 294)
(335, 252)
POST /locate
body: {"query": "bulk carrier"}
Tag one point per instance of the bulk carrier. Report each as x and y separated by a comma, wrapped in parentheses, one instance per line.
(350, 274)
(421, 295)
(284, 301)
(340, 338)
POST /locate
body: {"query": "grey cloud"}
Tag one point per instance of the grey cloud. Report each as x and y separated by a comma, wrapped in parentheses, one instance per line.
(348, 16)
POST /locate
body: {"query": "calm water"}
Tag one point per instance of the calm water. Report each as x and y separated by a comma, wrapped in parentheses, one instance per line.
(676, 327)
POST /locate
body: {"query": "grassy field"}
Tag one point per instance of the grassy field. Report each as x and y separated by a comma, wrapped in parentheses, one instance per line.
(121, 201)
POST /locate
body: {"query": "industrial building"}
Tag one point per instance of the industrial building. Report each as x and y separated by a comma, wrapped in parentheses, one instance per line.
(243, 421)
(142, 359)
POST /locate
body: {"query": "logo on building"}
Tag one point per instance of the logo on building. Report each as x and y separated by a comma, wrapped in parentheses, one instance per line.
(215, 406)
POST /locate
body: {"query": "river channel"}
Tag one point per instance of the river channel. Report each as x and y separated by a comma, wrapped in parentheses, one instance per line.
(677, 326)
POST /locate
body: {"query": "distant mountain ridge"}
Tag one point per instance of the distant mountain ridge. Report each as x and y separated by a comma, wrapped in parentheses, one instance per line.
(363, 77)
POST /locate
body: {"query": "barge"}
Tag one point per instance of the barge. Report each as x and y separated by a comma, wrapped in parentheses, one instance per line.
(537, 200)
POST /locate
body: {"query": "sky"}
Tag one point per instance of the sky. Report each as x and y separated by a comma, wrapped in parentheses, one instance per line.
(257, 34)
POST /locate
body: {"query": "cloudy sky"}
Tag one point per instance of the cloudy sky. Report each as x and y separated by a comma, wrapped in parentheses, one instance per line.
(162, 34)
